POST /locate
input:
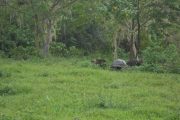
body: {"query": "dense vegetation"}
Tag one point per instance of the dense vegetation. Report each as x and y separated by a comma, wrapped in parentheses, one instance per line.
(42, 90)
(127, 29)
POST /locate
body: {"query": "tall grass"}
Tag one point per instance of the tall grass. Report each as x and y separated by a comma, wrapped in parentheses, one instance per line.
(74, 89)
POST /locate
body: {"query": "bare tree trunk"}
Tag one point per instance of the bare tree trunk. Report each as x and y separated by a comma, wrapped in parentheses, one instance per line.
(115, 46)
(115, 42)
(48, 38)
(139, 27)
(133, 50)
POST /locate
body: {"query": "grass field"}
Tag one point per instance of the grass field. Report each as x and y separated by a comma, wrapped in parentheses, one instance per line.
(63, 89)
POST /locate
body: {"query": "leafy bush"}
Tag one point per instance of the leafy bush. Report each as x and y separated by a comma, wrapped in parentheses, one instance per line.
(23, 53)
(153, 68)
(15, 39)
(58, 49)
(172, 59)
(73, 51)
(161, 59)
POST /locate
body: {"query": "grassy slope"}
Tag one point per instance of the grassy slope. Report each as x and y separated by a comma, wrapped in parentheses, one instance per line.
(67, 90)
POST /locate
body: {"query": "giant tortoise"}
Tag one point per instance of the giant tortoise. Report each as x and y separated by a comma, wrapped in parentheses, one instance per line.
(118, 64)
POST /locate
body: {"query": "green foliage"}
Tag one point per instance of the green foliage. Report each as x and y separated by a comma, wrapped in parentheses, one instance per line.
(87, 28)
(161, 59)
(17, 42)
(58, 49)
(22, 52)
(153, 68)
(122, 9)
(122, 53)
(73, 51)
(89, 37)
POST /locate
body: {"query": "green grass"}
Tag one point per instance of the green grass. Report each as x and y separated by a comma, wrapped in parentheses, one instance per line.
(66, 89)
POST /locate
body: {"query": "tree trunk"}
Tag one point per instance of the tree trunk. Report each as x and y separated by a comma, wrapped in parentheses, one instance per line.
(115, 46)
(139, 27)
(133, 50)
(48, 39)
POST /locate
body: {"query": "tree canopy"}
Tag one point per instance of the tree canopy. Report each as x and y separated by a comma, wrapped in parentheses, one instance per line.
(129, 29)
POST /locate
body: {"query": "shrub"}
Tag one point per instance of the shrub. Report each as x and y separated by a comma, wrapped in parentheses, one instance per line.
(16, 39)
(172, 59)
(23, 53)
(58, 49)
(161, 59)
(153, 68)
(73, 51)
